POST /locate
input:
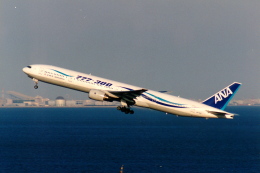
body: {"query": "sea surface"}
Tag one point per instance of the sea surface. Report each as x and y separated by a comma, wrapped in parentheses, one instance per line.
(101, 140)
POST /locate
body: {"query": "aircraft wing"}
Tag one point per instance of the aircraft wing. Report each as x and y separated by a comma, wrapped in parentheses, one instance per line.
(126, 95)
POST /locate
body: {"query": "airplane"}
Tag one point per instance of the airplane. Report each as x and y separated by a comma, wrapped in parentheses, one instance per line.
(102, 89)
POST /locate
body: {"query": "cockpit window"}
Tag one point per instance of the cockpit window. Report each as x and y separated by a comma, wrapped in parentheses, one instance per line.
(29, 66)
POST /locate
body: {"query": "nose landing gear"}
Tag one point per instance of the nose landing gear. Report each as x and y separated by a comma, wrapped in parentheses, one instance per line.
(36, 83)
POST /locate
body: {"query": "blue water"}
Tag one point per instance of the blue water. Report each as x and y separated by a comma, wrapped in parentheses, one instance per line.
(100, 140)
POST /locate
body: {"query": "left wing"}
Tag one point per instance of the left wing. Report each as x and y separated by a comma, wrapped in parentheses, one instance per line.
(125, 95)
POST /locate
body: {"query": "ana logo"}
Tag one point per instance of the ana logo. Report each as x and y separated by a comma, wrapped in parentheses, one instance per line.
(222, 94)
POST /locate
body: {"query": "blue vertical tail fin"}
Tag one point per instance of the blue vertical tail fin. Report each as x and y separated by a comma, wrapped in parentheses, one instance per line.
(221, 99)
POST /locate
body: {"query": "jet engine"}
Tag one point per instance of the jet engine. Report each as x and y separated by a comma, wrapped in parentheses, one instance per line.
(97, 95)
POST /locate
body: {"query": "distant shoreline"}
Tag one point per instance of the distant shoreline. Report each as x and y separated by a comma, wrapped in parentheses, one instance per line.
(93, 106)
(57, 106)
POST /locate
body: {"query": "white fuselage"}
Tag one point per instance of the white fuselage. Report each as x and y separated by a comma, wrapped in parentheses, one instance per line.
(149, 99)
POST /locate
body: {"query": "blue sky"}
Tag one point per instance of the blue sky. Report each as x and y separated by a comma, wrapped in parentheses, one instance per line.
(192, 47)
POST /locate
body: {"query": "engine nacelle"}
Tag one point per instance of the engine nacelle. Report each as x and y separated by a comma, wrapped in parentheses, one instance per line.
(97, 95)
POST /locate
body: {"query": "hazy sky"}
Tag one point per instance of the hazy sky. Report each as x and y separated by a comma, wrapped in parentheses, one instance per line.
(191, 47)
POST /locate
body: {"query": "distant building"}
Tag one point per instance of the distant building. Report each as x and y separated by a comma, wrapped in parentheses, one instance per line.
(90, 102)
(19, 99)
(13, 99)
(60, 101)
(51, 103)
(3, 101)
(70, 103)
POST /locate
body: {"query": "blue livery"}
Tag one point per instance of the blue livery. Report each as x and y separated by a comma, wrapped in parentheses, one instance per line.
(221, 99)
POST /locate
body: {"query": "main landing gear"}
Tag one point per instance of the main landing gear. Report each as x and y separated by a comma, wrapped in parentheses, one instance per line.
(124, 109)
(36, 83)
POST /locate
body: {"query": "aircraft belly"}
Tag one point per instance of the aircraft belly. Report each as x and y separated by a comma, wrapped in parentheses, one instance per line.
(187, 112)
(171, 110)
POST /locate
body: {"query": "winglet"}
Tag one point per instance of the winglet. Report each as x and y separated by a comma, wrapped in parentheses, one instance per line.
(221, 99)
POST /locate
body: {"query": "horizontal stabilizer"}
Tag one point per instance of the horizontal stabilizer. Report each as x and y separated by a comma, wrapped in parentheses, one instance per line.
(221, 99)
(165, 92)
(217, 113)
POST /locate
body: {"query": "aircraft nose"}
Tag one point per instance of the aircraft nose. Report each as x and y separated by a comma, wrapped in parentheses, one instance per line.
(26, 69)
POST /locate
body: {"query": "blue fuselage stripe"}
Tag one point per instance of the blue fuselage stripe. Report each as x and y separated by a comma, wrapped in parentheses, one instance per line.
(61, 73)
(157, 102)
(160, 103)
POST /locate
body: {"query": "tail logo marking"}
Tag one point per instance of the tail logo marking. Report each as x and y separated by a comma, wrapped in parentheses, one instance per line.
(223, 93)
